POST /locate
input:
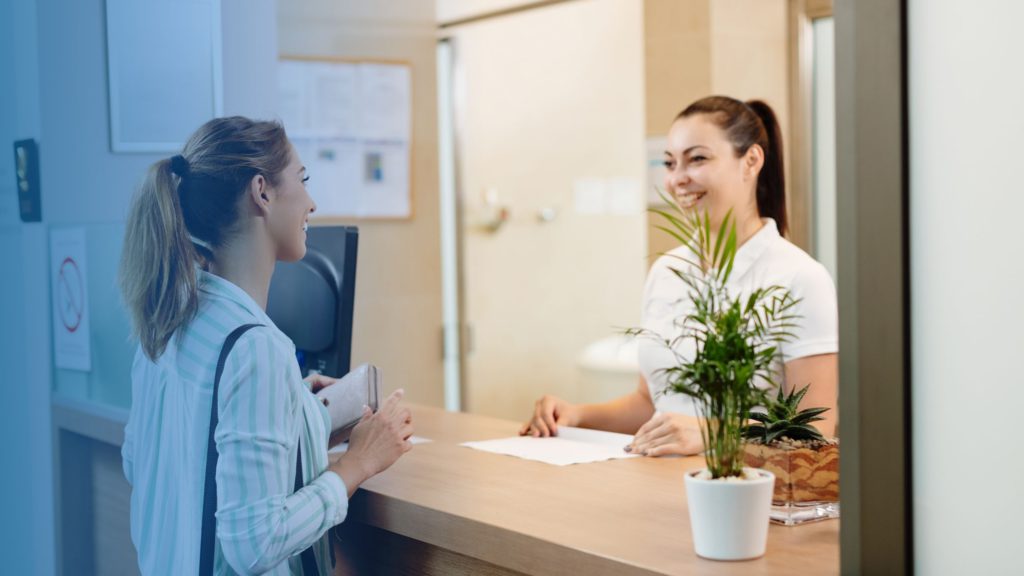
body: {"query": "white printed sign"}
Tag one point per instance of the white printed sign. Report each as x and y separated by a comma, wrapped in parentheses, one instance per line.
(71, 342)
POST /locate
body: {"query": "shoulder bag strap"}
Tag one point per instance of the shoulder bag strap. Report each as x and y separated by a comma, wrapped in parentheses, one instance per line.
(309, 565)
(210, 490)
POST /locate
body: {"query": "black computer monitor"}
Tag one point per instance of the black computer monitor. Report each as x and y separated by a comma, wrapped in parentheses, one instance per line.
(312, 300)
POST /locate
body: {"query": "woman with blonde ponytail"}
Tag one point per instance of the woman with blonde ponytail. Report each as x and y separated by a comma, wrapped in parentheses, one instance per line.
(723, 156)
(226, 446)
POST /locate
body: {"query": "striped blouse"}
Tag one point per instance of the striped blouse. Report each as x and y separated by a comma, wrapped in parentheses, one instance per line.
(265, 412)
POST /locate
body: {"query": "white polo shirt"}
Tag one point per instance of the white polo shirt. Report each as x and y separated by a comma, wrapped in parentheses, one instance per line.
(766, 259)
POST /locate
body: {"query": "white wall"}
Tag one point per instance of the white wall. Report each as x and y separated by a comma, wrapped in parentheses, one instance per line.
(26, 525)
(824, 147)
(451, 10)
(249, 50)
(966, 205)
(547, 100)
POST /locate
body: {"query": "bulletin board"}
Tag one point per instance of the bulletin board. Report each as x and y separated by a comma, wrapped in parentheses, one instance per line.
(351, 124)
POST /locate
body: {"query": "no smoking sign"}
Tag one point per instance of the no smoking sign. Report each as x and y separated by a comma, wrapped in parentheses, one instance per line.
(71, 293)
(69, 283)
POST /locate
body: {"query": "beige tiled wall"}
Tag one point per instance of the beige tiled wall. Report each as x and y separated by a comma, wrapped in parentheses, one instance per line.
(695, 48)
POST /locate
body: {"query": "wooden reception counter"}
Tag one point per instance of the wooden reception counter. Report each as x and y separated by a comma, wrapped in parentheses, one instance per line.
(447, 510)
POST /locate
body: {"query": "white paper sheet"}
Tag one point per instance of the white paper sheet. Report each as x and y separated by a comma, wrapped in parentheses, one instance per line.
(571, 446)
(343, 447)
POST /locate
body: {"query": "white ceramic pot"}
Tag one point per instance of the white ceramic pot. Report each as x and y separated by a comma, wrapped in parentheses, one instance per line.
(729, 518)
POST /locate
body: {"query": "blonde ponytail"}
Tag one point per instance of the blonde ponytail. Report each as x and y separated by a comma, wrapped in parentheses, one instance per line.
(158, 277)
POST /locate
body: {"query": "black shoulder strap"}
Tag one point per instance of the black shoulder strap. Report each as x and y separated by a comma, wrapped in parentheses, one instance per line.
(206, 549)
(210, 490)
(309, 566)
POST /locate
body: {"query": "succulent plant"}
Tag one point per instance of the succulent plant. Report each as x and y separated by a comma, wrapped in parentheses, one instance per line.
(784, 419)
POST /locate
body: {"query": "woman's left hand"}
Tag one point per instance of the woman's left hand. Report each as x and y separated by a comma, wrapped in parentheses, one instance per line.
(318, 382)
(666, 434)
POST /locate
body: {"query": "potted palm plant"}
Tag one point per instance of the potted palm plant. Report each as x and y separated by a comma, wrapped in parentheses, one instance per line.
(804, 462)
(737, 338)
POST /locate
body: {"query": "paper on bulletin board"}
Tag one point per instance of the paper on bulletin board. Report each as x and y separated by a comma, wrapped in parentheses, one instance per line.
(351, 126)
(68, 271)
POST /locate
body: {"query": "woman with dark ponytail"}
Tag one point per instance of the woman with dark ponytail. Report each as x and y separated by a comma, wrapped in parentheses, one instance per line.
(203, 234)
(723, 154)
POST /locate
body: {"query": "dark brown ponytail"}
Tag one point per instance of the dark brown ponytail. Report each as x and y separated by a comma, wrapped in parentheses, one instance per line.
(746, 124)
(187, 207)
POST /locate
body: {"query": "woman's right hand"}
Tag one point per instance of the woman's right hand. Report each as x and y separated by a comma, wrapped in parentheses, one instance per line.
(377, 441)
(549, 413)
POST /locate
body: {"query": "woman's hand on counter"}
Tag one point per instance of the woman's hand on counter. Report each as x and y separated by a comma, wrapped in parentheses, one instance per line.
(549, 413)
(666, 434)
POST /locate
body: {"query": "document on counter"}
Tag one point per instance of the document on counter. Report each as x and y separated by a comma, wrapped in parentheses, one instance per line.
(343, 447)
(571, 446)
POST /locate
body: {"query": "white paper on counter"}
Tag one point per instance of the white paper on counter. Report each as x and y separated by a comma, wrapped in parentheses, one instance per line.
(571, 446)
(343, 447)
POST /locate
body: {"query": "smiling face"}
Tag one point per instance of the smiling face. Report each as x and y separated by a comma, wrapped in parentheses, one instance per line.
(704, 172)
(289, 209)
